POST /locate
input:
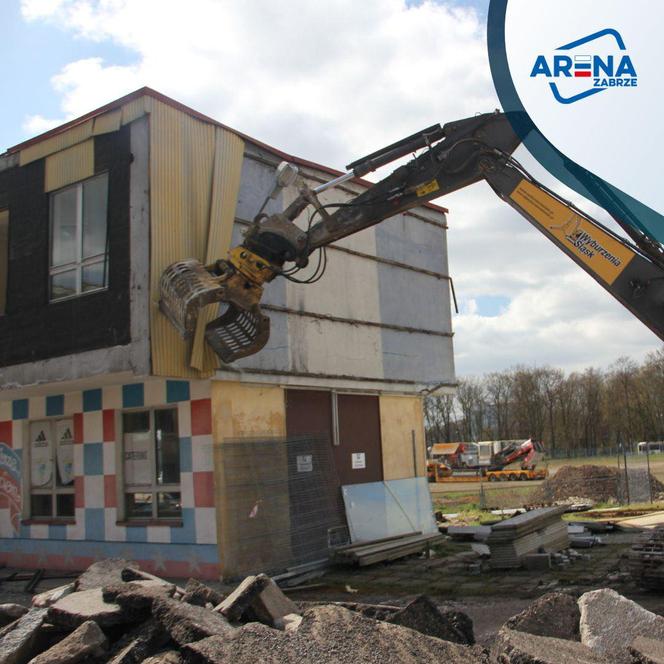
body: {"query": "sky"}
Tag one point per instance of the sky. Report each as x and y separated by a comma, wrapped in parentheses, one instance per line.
(330, 82)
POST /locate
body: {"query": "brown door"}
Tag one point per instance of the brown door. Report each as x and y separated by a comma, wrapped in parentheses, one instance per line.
(358, 456)
(308, 412)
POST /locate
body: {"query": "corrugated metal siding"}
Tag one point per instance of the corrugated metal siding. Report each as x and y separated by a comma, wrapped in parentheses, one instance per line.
(54, 144)
(107, 123)
(68, 166)
(102, 124)
(195, 176)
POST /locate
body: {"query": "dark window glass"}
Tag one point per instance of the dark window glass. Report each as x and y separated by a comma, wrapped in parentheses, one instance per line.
(169, 504)
(41, 505)
(65, 504)
(138, 422)
(139, 505)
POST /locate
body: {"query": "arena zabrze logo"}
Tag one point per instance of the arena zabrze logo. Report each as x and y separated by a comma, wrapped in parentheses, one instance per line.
(591, 70)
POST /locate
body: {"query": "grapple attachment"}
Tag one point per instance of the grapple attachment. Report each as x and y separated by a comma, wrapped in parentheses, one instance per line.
(188, 286)
(185, 288)
(238, 333)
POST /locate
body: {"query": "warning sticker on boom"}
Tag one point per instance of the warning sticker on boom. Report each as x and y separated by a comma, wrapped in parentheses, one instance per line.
(603, 254)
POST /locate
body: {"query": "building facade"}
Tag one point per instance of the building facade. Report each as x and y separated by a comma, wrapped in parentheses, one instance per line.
(108, 419)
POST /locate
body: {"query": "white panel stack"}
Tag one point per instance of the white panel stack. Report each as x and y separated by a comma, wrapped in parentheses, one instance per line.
(541, 530)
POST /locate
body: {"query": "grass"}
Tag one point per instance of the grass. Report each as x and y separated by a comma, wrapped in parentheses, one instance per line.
(494, 498)
(505, 496)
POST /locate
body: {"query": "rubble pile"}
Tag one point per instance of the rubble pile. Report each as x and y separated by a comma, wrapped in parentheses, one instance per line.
(597, 484)
(117, 614)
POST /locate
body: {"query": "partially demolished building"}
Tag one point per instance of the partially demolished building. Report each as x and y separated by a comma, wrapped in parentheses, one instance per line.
(108, 420)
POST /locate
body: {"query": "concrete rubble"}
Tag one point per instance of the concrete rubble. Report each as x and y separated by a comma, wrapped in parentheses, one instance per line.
(610, 623)
(136, 617)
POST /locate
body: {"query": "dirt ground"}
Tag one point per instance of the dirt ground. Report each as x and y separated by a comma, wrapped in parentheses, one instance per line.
(452, 579)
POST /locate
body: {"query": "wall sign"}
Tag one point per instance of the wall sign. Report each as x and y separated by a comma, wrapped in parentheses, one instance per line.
(359, 460)
(305, 463)
(64, 441)
(10, 490)
(41, 454)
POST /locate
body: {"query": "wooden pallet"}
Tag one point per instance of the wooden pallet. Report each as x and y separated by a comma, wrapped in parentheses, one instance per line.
(393, 548)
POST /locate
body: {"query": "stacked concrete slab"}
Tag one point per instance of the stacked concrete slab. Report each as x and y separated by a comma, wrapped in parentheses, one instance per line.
(540, 530)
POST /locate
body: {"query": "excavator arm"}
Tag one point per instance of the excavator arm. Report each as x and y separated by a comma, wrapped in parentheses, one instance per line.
(454, 156)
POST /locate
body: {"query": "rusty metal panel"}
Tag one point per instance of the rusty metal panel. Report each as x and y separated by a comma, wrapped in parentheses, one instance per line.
(309, 413)
(68, 166)
(72, 136)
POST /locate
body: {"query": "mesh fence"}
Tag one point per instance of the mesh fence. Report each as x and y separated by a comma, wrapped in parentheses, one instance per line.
(279, 503)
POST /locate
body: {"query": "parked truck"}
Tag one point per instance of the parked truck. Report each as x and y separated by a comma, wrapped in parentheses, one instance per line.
(515, 462)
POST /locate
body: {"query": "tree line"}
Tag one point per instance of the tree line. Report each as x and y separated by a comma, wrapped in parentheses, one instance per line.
(590, 412)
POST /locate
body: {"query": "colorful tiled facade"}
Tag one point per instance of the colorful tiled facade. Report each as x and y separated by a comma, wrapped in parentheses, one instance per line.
(95, 531)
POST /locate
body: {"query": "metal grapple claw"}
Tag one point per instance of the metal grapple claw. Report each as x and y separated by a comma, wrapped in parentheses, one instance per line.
(185, 288)
(188, 286)
(238, 333)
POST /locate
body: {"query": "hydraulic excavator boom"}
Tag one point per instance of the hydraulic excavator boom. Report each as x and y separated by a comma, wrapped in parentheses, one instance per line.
(454, 156)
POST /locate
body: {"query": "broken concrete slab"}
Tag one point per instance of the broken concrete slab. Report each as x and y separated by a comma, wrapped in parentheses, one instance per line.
(166, 657)
(291, 622)
(138, 644)
(241, 598)
(187, 622)
(199, 594)
(554, 614)
(135, 574)
(49, 597)
(102, 573)
(17, 645)
(331, 635)
(79, 607)
(610, 623)
(512, 647)
(11, 612)
(136, 597)
(647, 651)
(87, 640)
(423, 616)
(271, 605)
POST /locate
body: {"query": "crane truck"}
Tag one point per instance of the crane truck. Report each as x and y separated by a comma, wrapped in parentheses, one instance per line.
(515, 462)
(451, 157)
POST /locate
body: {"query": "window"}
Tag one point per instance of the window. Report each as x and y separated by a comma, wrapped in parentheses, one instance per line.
(4, 258)
(151, 464)
(79, 242)
(52, 469)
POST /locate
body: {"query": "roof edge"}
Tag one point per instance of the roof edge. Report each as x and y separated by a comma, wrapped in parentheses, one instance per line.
(149, 92)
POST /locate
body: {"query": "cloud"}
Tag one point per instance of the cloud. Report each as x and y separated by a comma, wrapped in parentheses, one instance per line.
(333, 81)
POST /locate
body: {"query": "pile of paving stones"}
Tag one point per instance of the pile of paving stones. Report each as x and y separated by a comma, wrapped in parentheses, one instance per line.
(598, 484)
(116, 613)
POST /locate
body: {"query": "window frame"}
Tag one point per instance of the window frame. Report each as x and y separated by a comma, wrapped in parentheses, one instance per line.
(154, 488)
(79, 263)
(54, 490)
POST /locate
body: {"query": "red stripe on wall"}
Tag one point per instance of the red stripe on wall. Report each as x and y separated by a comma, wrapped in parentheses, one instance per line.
(582, 74)
(201, 417)
(6, 433)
